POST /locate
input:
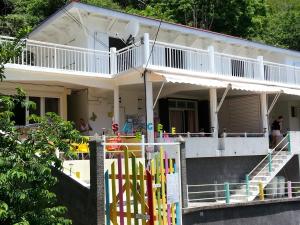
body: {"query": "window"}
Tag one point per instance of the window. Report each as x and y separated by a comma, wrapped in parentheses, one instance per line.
(51, 105)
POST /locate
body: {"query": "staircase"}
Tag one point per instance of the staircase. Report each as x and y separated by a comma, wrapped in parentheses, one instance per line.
(264, 172)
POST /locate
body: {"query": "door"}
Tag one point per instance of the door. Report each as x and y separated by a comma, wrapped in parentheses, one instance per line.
(183, 120)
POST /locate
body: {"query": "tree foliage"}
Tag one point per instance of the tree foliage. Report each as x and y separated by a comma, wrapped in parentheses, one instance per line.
(25, 166)
(274, 22)
(282, 26)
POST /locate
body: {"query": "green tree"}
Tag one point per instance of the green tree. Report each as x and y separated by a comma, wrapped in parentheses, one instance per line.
(282, 26)
(25, 166)
(25, 163)
(234, 17)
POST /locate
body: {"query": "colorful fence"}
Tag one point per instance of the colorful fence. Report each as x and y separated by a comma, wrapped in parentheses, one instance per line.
(136, 195)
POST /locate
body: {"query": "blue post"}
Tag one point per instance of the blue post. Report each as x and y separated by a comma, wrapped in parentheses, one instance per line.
(107, 201)
(227, 192)
(247, 185)
(270, 162)
(178, 221)
(289, 142)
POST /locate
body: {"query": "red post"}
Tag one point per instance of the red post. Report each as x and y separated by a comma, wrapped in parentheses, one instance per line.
(150, 197)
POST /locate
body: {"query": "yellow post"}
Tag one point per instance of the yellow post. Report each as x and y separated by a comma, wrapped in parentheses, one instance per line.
(261, 191)
(77, 173)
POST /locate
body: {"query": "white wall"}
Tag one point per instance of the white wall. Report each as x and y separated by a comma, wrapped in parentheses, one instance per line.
(101, 104)
(240, 146)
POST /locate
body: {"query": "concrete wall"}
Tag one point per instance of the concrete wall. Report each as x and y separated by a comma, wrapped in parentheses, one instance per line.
(222, 169)
(75, 197)
(291, 171)
(241, 146)
(264, 213)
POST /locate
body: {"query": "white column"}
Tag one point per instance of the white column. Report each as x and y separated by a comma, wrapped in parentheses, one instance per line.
(116, 105)
(27, 112)
(213, 101)
(149, 106)
(113, 61)
(261, 69)
(211, 54)
(42, 106)
(146, 48)
(264, 110)
(63, 104)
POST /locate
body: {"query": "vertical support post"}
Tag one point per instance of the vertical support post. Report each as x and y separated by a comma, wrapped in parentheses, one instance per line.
(116, 105)
(149, 108)
(213, 111)
(27, 112)
(63, 104)
(227, 192)
(211, 55)
(264, 113)
(289, 187)
(42, 102)
(261, 191)
(270, 162)
(183, 175)
(289, 142)
(146, 48)
(55, 58)
(143, 147)
(97, 182)
(247, 186)
(261, 73)
(113, 61)
(23, 52)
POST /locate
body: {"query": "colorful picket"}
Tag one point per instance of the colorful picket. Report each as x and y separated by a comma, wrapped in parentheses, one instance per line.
(136, 195)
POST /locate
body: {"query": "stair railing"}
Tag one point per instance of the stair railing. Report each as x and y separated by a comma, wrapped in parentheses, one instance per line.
(269, 158)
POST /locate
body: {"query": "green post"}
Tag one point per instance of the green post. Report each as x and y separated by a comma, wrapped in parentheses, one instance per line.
(227, 192)
(289, 142)
(270, 162)
(247, 185)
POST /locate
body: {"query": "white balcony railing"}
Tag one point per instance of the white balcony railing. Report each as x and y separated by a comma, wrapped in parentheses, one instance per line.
(62, 57)
(281, 73)
(129, 57)
(235, 66)
(162, 56)
(179, 57)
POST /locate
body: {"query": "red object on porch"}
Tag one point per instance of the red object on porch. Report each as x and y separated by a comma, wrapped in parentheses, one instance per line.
(117, 139)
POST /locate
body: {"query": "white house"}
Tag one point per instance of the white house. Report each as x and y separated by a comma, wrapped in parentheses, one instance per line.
(218, 91)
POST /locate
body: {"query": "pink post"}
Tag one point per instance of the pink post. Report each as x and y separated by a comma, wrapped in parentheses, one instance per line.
(289, 183)
(167, 172)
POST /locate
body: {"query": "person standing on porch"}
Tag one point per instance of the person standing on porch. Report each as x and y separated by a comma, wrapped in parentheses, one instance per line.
(276, 131)
(84, 127)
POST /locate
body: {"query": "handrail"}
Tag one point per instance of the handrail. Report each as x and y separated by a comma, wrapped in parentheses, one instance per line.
(269, 162)
(179, 46)
(128, 47)
(56, 45)
(279, 64)
(249, 174)
(236, 57)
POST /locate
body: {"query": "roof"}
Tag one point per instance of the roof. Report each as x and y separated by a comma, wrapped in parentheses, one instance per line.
(165, 25)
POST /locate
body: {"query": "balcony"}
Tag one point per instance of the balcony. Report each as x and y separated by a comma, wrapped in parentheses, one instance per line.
(157, 56)
(60, 58)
